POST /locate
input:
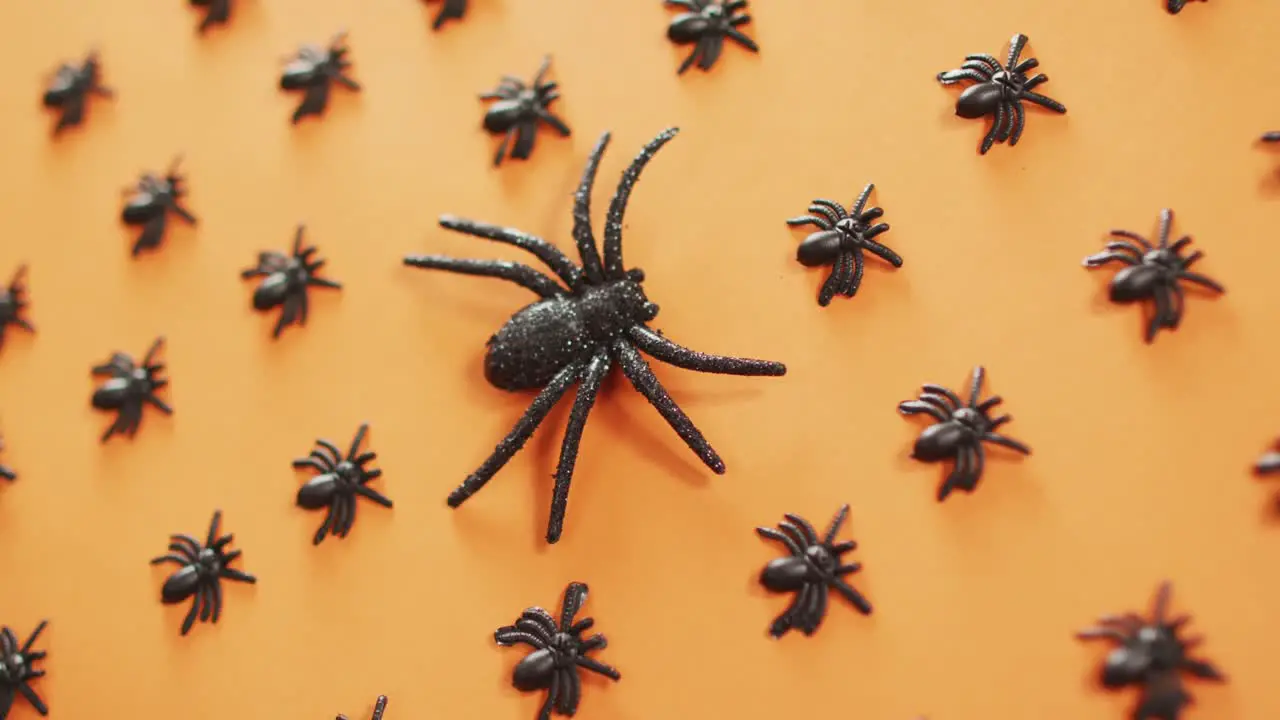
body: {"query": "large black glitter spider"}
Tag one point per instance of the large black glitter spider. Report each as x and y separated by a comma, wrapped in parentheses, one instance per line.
(69, 90)
(216, 12)
(1153, 273)
(1000, 92)
(285, 283)
(202, 569)
(959, 432)
(314, 69)
(379, 707)
(519, 109)
(576, 331)
(449, 10)
(840, 241)
(814, 567)
(17, 670)
(341, 479)
(1151, 654)
(149, 205)
(706, 25)
(6, 472)
(559, 650)
(128, 388)
(13, 304)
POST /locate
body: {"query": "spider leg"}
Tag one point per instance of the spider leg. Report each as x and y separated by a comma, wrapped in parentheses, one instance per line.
(553, 120)
(532, 627)
(32, 697)
(832, 206)
(526, 136)
(978, 465)
(522, 275)
(333, 451)
(542, 617)
(1102, 258)
(823, 210)
(1007, 129)
(190, 619)
(571, 692)
(1019, 121)
(288, 313)
(1025, 67)
(986, 59)
(1035, 81)
(1166, 224)
(502, 147)
(31, 640)
(553, 694)
(787, 619)
(7, 696)
(951, 77)
(323, 282)
(598, 667)
(373, 495)
(189, 544)
(1129, 234)
(1125, 247)
(736, 35)
(346, 82)
(318, 460)
(883, 252)
(519, 435)
(686, 4)
(205, 597)
(1179, 300)
(840, 273)
(1044, 102)
(816, 611)
(324, 526)
(588, 388)
(803, 528)
(238, 576)
(957, 477)
(171, 557)
(614, 268)
(975, 385)
(1268, 463)
(1182, 242)
(772, 534)
(1201, 280)
(1006, 442)
(822, 223)
(362, 459)
(711, 52)
(541, 75)
(347, 518)
(1016, 46)
(1160, 603)
(689, 60)
(915, 407)
(1159, 317)
(1203, 669)
(215, 600)
(510, 636)
(1162, 697)
(149, 357)
(183, 213)
(997, 126)
(667, 351)
(855, 277)
(159, 404)
(834, 528)
(999, 421)
(855, 598)
(583, 236)
(584, 625)
(356, 441)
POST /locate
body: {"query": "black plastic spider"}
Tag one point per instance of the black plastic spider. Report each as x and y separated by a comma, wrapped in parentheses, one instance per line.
(449, 10)
(559, 650)
(1152, 655)
(129, 388)
(839, 242)
(519, 109)
(6, 472)
(576, 331)
(706, 25)
(216, 12)
(17, 670)
(814, 567)
(286, 281)
(379, 707)
(959, 432)
(13, 304)
(340, 480)
(313, 69)
(1000, 92)
(70, 88)
(202, 569)
(1153, 273)
(149, 205)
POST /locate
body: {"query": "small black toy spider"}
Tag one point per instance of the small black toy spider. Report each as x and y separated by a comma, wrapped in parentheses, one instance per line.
(340, 480)
(202, 569)
(149, 205)
(286, 281)
(519, 109)
(559, 650)
(575, 332)
(379, 707)
(1151, 654)
(449, 10)
(1000, 92)
(839, 242)
(814, 567)
(216, 12)
(706, 24)
(13, 304)
(70, 88)
(959, 432)
(17, 670)
(1269, 463)
(129, 388)
(1153, 273)
(313, 69)
(6, 472)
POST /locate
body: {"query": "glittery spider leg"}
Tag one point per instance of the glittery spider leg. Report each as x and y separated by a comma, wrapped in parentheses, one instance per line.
(592, 379)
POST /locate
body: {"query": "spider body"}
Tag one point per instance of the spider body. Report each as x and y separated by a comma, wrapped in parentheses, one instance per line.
(216, 12)
(559, 650)
(518, 110)
(705, 25)
(70, 89)
(959, 431)
(13, 304)
(813, 567)
(286, 280)
(449, 10)
(576, 332)
(313, 69)
(340, 480)
(1152, 272)
(379, 707)
(1000, 92)
(149, 205)
(840, 241)
(17, 670)
(200, 573)
(128, 388)
(1151, 653)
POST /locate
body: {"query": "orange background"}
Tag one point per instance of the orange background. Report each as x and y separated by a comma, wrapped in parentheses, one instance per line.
(1141, 460)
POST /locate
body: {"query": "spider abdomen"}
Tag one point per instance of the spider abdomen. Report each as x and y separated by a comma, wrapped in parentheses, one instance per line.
(272, 292)
(142, 210)
(534, 671)
(180, 585)
(1136, 282)
(504, 114)
(318, 491)
(941, 441)
(820, 248)
(299, 74)
(535, 344)
(112, 393)
(1124, 666)
(687, 28)
(979, 100)
(786, 574)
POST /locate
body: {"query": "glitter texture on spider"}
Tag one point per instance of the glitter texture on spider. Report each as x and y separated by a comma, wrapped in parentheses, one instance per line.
(128, 388)
(1151, 654)
(17, 670)
(286, 279)
(958, 432)
(202, 569)
(149, 204)
(13, 304)
(575, 332)
(313, 69)
(559, 651)
(840, 241)
(1000, 92)
(379, 707)
(519, 109)
(341, 478)
(705, 25)
(1154, 273)
(70, 88)
(216, 12)
(814, 567)
(449, 10)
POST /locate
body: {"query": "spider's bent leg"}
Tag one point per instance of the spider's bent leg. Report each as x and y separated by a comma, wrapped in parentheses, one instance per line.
(598, 667)
(772, 534)
(834, 528)
(1007, 130)
(593, 642)
(1202, 281)
(347, 507)
(1182, 242)
(661, 348)
(519, 435)
(734, 5)
(554, 121)
(1019, 121)
(1006, 442)
(288, 313)
(356, 441)
(712, 47)
(184, 213)
(542, 618)
(840, 275)
(588, 388)
(951, 77)
(943, 392)
(546, 252)
(1160, 315)
(832, 206)
(346, 82)
(151, 236)
(883, 252)
(583, 237)
(803, 527)
(1144, 243)
(686, 4)
(553, 694)
(238, 576)
(871, 215)
(822, 209)
(373, 495)
(978, 465)
(855, 598)
(215, 600)
(975, 385)
(915, 407)
(508, 636)
(522, 275)
(1102, 258)
(1178, 301)
(570, 692)
(787, 618)
(1203, 669)
(1035, 81)
(1016, 46)
(35, 700)
(997, 127)
(1125, 247)
(322, 282)
(1044, 102)
(613, 265)
(1025, 67)
(819, 222)
(733, 33)
(190, 619)
(323, 530)
(526, 136)
(855, 277)
(957, 477)
(159, 404)
(502, 147)
(205, 596)
(694, 54)
(171, 557)
(986, 59)
(815, 611)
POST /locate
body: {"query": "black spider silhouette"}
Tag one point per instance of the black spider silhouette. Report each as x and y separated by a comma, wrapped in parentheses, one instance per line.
(313, 69)
(379, 707)
(518, 111)
(128, 388)
(340, 480)
(1000, 92)
(202, 569)
(449, 10)
(70, 88)
(1153, 273)
(6, 472)
(559, 650)
(813, 567)
(216, 12)
(13, 304)
(839, 242)
(1151, 654)
(959, 432)
(706, 25)
(150, 202)
(17, 670)
(576, 331)
(286, 281)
